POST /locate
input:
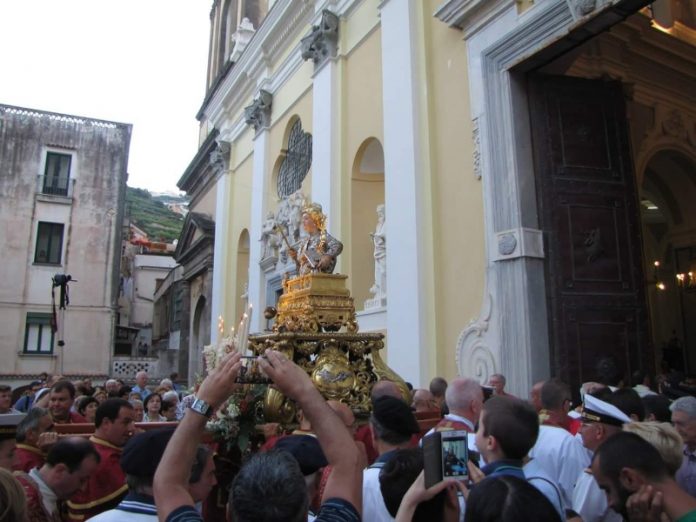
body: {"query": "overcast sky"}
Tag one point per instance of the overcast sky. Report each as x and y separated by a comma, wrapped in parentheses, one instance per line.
(141, 62)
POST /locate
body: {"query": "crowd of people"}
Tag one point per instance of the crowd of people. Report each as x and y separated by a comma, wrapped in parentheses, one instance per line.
(623, 453)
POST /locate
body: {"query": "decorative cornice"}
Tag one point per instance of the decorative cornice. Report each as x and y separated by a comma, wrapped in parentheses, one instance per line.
(258, 114)
(463, 14)
(189, 178)
(321, 43)
(283, 22)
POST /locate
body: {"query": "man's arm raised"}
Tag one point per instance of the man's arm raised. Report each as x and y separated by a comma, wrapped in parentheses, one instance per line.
(172, 476)
(337, 443)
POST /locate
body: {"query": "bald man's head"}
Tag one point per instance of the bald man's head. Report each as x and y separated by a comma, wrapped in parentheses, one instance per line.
(535, 396)
(385, 388)
(464, 397)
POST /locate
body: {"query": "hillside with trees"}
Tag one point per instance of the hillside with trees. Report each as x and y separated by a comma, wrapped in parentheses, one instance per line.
(150, 214)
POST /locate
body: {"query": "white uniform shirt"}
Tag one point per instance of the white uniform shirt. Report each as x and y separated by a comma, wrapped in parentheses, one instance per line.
(562, 457)
(541, 480)
(374, 508)
(590, 502)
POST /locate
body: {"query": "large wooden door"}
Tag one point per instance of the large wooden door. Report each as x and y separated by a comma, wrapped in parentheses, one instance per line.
(589, 215)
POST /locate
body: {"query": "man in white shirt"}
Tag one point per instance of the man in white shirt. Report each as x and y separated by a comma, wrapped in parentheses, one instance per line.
(600, 421)
(561, 456)
(69, 464)
(464, 398)
(392, 424)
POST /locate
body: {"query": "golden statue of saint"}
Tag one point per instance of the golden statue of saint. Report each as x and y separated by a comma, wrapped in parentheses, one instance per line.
(318, 251)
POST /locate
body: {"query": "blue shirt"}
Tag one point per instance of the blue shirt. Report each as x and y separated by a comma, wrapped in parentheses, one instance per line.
(504, 467)
(144, 392)
(333, 510)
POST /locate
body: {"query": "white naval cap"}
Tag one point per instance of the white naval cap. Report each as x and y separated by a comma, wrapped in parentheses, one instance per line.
(596, 410)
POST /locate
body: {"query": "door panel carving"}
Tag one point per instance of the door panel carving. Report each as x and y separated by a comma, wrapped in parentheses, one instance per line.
(589, 215)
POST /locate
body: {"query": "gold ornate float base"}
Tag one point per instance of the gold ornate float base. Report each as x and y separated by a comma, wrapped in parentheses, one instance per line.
(315, 303)
(343, 367)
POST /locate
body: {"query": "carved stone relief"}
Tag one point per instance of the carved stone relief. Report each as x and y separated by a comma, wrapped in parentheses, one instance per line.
(476, 138)
(474, 357)
(258, 114)
(219, 158)
(507, 244)
(280, 228)
(585, 7)
(241, 38)
(322, 41)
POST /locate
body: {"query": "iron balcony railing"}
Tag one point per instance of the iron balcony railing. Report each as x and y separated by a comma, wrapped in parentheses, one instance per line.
(55, 186)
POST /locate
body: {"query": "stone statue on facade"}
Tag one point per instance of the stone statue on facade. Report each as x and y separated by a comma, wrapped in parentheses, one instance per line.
(269, 237)
(379, 239)
(297, 203)
(318, 251)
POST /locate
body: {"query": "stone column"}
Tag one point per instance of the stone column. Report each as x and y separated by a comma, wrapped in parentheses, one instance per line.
(219, 161)
(321, 46)
(258, 115)
(410, 334)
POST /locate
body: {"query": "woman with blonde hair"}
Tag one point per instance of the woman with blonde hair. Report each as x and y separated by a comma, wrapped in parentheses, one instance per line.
(13, 503)
(664, 437)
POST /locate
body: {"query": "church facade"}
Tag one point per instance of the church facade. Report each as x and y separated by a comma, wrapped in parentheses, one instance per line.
(483, 163)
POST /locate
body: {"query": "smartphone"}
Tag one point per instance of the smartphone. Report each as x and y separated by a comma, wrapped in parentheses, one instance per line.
(487, 392)
(445, 455)
(250, 372)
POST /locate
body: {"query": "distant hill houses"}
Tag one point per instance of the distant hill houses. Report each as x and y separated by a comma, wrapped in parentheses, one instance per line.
(159, 216)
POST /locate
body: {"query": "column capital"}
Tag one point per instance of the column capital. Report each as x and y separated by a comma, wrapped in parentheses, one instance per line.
(258, 114)
(321, 43)
(219, 158)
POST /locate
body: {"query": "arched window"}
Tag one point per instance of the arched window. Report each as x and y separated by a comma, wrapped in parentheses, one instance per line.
(298, 160)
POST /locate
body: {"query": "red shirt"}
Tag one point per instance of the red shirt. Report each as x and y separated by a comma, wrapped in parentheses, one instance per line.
(73, 418)
(449, 424)
(106, 487)
(36, 512)
(27, 458)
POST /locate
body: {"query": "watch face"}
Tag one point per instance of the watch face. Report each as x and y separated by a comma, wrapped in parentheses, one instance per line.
(201, 407)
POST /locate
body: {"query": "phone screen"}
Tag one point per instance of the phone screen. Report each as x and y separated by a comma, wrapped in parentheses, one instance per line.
(454, 455)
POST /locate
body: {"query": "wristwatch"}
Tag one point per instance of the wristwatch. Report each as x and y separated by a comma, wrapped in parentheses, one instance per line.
(202, 407)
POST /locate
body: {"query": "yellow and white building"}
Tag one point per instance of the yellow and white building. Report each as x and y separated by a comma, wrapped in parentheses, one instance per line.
(501, 153)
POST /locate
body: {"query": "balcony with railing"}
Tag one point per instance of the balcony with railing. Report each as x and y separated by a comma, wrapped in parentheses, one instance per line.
(54, 188)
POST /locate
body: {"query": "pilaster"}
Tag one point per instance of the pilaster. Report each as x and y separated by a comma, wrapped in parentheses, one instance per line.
(406, 197)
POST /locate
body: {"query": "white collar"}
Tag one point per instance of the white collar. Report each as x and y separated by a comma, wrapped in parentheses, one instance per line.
(458, 418)
(49, 498)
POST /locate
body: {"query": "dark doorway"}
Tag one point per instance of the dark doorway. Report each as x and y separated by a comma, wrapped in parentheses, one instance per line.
(589, 216)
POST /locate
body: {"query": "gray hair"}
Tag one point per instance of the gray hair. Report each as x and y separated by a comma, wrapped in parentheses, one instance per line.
(499, 376)
(30, 422)
(171, 395)
(685, 404)
(166, 382)
(461, 392)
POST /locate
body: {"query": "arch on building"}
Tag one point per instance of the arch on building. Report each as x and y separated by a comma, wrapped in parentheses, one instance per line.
(294, 160)
(200, 336)
(366, 193)
(242, 275)
(668, 218)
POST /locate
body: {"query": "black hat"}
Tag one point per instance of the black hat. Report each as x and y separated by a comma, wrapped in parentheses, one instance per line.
(395, 415)
(143, 452)
(306, 450)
